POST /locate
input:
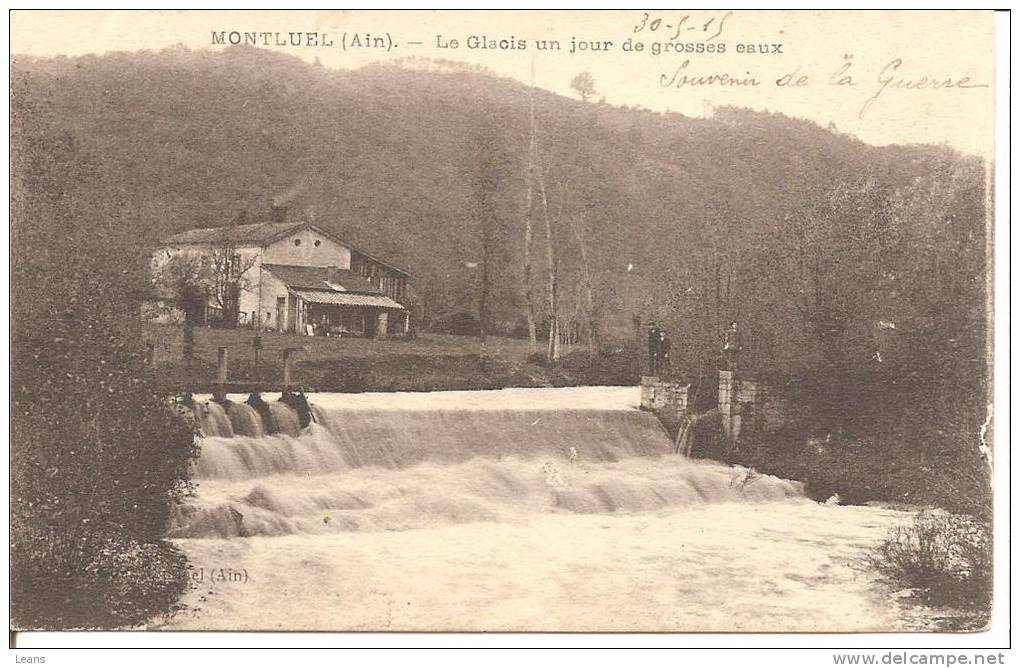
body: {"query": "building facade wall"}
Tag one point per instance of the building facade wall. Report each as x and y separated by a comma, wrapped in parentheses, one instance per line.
(392, 283)
(272, 316)
(309, 248)
(266, 302)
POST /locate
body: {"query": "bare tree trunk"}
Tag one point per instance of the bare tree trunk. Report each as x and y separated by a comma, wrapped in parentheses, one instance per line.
(529, 297)
(550, 252)
(487, 180)
(592, 325)
(483, 299)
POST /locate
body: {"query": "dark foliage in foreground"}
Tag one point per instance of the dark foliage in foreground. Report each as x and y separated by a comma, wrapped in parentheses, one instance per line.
(97, 580)
(946, 557)
(97, 454)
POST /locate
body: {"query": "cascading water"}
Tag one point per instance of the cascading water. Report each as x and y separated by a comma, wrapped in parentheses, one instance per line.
(213, 420)
(285, 418)
(370, 467)
(244, 420)
(515, 510)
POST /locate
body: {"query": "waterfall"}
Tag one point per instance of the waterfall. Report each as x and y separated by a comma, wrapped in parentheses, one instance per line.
(244, 420)
(285, 418)
(364, 468)
(213, 419)
(340, 439)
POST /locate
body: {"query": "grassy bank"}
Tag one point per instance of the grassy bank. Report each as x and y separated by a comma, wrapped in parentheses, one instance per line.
(426, 363)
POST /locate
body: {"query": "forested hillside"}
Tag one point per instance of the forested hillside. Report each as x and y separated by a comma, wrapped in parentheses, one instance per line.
(692, 221)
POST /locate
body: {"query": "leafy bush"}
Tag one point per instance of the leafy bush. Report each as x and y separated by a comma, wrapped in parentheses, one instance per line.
(102, 580)
(947, 557)
(98, 457)
(98, 453)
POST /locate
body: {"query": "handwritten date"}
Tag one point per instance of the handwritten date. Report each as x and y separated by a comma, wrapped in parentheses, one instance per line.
(682, 25)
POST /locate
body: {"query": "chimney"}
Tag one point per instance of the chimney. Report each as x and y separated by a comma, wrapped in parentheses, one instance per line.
(331, 273)
(278, 213)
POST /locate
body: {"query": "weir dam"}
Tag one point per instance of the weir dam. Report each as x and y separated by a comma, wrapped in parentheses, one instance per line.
(491, 453)
(559, 509)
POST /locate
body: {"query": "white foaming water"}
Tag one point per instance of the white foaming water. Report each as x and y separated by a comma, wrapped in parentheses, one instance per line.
(285, 418)
(213, 420)
(508, 511)
(365, 467)
(427, 495)
(244, 420)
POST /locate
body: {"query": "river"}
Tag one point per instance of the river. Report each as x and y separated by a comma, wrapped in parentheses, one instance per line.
(508, 510)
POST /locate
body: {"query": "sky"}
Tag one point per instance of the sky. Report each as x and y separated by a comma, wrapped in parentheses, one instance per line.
(885, 77)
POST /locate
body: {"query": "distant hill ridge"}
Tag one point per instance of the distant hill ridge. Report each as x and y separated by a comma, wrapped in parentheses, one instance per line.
(389, 156)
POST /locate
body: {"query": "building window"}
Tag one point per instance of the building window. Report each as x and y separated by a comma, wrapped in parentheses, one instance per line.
(318, 242)
(297, 242)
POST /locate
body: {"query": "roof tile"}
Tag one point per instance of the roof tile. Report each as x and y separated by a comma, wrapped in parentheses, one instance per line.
(317, 278)
(259, 234)
(347, 299)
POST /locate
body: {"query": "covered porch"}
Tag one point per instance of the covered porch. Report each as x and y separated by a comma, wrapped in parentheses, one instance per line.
(346, 314)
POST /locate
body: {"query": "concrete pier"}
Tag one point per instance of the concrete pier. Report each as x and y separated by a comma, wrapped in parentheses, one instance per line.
(657, 394)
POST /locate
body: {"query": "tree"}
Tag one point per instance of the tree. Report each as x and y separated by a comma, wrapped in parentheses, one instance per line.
(584, 85)
(552, 260)
(487, 171)
(185, 281)
(529, 205)
(587, 284)
(192, 280)
(98, 452)
(230, 276)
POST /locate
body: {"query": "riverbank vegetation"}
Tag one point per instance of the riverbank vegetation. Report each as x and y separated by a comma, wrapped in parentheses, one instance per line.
(98, 455)
(946, 559)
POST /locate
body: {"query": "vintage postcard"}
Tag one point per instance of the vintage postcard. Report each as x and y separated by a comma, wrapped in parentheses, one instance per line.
(570, 321)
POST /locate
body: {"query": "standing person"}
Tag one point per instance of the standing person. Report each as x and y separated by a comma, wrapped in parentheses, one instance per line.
(664, 345)
(653, 349)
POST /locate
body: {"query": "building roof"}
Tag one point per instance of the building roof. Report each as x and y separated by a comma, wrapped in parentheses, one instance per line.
(347, 299)
(261, 235)
(318, 278)
(256, 234)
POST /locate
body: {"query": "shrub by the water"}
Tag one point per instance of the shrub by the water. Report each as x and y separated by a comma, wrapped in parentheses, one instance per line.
(946, 557)
(98, 457)
(98, 580)
(98, 453)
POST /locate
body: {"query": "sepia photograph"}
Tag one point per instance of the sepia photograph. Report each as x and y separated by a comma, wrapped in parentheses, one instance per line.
(579, 321)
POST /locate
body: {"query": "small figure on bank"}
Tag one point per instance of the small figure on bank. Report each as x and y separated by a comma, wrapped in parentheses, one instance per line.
(653, 349)
(664, 346)
(731, 346)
